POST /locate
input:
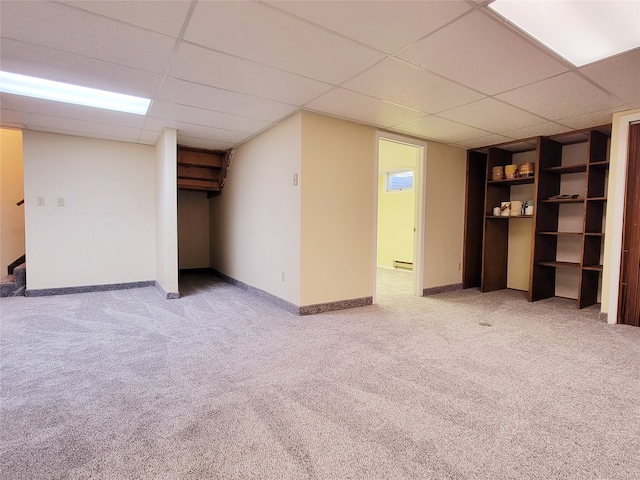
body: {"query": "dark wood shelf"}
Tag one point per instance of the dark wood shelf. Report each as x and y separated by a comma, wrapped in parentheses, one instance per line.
(579, 234)
(563, 200)
(508, 217)
(595, 268)
(567, 169)
(597, 199)
(593, 234)
(512, 181)
(604, 165)
(556, 264)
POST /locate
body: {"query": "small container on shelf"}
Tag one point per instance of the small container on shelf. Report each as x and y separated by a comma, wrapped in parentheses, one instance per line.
(528, 209)
(516, 208)
(510, 172)
(505, 209)
(496, 211)
(526, 169)
(497, 173)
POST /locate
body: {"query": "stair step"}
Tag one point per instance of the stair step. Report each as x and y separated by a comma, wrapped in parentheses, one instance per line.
(15, 284)
(20, 275)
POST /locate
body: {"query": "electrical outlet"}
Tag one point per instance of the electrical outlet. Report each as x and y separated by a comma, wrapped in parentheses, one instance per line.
(282, 276)
(295, 179)
(61, 201)
(41, 201)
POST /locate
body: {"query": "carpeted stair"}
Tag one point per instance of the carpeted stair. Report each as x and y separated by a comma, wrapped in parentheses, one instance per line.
(14, 285)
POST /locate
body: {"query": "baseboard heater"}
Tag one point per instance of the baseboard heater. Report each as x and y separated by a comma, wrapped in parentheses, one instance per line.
(403, 265)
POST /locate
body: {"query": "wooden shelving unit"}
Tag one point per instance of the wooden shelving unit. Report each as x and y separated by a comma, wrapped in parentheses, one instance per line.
(203, 170)
(486, 240)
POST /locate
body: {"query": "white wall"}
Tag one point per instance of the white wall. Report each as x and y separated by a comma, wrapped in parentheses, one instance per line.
(193, 229)
(338, 191)
(105, 232)
(444, 214)
(12, 244)
(166, 212)
(255, 222)
(615, 211)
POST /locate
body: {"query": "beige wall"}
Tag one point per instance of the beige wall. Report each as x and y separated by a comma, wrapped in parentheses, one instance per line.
(337, 227)
(166, 212)
(444, 214)
(105, 232)
(255, 223)
(321, 232)
(12, 244)
(193, 229)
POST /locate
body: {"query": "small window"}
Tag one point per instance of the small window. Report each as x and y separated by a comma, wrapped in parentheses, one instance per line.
(400, 181)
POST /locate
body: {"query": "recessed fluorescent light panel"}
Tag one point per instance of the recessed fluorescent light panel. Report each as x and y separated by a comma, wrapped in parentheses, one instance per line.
(64, 92)
(580, 31)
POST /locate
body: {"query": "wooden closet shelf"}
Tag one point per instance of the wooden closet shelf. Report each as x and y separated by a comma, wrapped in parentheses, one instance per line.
(560, 264)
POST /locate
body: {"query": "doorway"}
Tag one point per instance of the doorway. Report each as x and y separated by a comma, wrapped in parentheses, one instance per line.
(399, 214)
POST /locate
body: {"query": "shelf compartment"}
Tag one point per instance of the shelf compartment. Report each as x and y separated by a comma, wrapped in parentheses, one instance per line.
(597, 199)
(556, 264)
(567, 169)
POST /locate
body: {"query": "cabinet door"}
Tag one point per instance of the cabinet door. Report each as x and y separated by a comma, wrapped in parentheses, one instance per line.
(629, 299)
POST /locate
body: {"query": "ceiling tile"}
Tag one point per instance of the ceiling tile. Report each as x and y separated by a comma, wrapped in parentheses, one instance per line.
(61, 110)
(8, 118)
(202, 96)
(566, 95)
(405, 84)
(206, 143)
(70, 126)
(355, 106)
(479, 52)
(484, 141)
(411, 20)
(625, 82)
(491, 115)
(590, 119)
(257, 32)
(62, 27)
(244, 76)
(198, 131)
(439, 129)
(199, 116)
(165, 17)
(42, 62)
(542, 129)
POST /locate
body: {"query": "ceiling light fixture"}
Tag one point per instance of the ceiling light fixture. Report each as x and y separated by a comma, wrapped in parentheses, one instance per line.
(580, 31)
(64, 92)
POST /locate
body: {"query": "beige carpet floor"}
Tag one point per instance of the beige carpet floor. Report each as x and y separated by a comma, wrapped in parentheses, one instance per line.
(223, 385)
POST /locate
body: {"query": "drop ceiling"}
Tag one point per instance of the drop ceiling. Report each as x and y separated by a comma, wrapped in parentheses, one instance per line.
(222, 72)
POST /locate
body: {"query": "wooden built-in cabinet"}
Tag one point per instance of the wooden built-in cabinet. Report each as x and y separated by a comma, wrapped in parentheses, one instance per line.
(574, 163)
(203, 170)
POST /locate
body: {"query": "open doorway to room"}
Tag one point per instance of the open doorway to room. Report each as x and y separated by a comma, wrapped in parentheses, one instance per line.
(399, 237)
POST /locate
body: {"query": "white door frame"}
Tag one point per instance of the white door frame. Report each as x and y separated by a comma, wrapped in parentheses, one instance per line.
(418, 211)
